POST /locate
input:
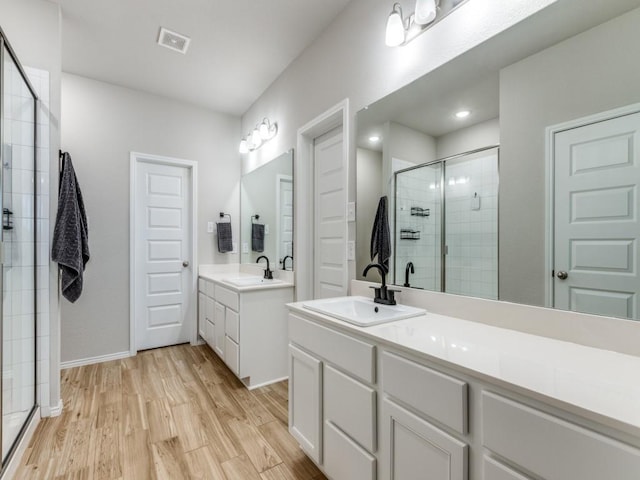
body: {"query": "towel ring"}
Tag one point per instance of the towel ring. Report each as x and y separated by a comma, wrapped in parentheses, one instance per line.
(222, 215)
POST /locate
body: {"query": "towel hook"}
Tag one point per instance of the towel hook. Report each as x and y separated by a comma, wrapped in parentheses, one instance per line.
(222, 215)
(256, 216)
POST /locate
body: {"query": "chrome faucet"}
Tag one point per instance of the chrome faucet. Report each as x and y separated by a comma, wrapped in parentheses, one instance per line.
(268, 274)
(383, 294)
(409, 268)
(284, 262)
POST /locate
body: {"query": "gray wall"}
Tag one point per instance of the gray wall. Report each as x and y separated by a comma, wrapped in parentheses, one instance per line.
(101, 125)
(369, 166)
(589, 73)
(34, 30)
(476, 136)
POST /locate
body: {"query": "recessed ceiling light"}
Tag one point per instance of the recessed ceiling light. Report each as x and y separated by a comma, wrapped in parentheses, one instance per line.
(463, 114)
(173, 40)
(374, 138)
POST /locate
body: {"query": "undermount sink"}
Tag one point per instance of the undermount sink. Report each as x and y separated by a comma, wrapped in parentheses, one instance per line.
(251, 281)
(362, 311)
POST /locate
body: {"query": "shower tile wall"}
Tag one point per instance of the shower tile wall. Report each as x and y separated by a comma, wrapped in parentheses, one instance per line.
(419, 188)
(19, 282)
(471, 228)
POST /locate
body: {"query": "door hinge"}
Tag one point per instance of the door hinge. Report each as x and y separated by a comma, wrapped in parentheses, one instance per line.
(553, 273)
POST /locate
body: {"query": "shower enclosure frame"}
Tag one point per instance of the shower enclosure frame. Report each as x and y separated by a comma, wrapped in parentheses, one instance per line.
(5, 48)
(443, 206)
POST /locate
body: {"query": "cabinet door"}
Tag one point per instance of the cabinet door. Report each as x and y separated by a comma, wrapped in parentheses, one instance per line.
(412, 448)
(305, 402)
(208, 308)
(201, 315)
(218, 320)
(232, 355)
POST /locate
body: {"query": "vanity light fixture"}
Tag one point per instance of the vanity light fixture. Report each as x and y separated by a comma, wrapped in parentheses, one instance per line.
(374, 138)
(261, 134)
(463, 114)
(401, 31)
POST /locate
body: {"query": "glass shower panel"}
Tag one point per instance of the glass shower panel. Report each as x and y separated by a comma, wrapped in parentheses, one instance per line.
(18, 226)
(418, 226)
(471, 224)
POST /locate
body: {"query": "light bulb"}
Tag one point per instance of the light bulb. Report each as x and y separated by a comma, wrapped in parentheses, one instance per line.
(425, 11)
(264, 130)
(256, 139)
(244, 147)
(395, 27)
(463, 114)
(374, 138)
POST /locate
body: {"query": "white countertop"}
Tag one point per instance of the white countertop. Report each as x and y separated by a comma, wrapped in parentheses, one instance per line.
(599, 384)
(221, 278)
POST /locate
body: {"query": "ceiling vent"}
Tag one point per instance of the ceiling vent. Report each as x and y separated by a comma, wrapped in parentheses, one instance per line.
(173, 40)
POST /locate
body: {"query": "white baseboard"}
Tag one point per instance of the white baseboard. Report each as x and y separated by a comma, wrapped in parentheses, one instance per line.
(48, 411)
(14, 461)
(91, 360)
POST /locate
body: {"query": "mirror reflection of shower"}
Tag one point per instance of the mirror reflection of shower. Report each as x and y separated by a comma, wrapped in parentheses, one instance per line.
(446, 224)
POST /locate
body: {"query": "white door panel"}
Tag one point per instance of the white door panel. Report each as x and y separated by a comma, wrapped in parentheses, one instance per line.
(330, 196)
(596, 225)
(162, 243)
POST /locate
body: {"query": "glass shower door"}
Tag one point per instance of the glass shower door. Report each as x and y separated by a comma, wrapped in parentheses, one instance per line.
(18, 237)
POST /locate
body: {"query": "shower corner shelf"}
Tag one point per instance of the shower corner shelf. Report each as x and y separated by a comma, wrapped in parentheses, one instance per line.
(408, 234)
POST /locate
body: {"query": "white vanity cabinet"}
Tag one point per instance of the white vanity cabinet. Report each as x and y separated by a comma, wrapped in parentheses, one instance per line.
(247, 329)
(419, 403)
(332, 399)
(550, 447)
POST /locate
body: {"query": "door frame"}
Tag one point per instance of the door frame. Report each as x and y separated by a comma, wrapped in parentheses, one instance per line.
(192, 300)
(303, 206)
(550, 133)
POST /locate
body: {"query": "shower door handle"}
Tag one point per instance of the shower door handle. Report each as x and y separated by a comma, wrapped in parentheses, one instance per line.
(562, 275)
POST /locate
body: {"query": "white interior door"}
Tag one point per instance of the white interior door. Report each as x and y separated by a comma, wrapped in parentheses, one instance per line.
(285, 217)
(330, 196)
(162, 254)
(597, 173)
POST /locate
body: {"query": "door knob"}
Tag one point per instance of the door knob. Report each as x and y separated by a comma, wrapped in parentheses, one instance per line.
(562, 275)
(185, 263)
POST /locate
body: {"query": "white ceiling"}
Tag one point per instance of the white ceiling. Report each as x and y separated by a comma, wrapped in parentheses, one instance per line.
(238, 47)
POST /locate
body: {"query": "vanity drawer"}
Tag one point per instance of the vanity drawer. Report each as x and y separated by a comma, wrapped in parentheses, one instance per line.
(351, 406)
(227, 297)
(344, 459)
(352, 355)
(551, 447)
(494, 470)
(232, 325)
(435, 394)
(232, 355)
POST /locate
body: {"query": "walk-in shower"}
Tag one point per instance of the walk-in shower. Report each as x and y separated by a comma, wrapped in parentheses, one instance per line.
(18, 131)
(446, 224)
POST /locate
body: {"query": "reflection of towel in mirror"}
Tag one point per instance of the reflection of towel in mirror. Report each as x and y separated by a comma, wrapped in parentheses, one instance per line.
(257, 237)
(225, 237)
(70, 246)
(380, 236)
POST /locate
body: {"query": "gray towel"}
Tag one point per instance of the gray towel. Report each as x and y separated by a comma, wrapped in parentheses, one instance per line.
(70, 246)
(225, 237)
(380, 236)
(257, 237)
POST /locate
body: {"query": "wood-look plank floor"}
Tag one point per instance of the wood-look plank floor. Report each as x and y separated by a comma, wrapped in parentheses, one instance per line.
(171, 413)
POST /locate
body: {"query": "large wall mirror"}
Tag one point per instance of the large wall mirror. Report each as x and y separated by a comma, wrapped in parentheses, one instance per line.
(530, 194)
(266, 211)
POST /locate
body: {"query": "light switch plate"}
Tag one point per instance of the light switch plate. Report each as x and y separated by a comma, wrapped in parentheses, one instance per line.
(351, 250)
(266, 229)
(245, 247)
(209, 227)
(351, 212)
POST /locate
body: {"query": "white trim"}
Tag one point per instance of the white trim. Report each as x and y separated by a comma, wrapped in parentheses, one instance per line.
(137, 157)
(336, 116)
(52, 411)
(550, 133)
(16, 458)
(270, 382)
(99, 359)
